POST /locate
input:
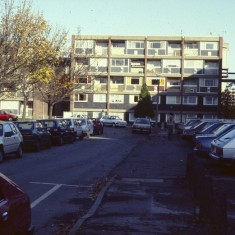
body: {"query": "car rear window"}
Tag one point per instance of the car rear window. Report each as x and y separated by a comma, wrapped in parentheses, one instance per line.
(25, 126)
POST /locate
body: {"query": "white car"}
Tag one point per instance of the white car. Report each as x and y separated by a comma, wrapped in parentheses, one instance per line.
(114, 121)
(223, 148)
(11, 140)
(75, 125)
(87, 126)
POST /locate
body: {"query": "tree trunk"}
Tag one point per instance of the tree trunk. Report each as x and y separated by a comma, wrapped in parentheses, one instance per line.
(24, 108)
(50, 110)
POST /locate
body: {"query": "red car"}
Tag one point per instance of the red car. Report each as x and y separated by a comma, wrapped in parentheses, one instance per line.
(6, 116)
(98, 127)
(15, 210)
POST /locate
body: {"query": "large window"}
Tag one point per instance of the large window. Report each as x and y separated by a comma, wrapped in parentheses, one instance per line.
(117, 80)
(99, 98)
(190, 100)
(208, 82)
(136, 44)
(209, 100)
(172, 99)
(116, 98)
(119, 62)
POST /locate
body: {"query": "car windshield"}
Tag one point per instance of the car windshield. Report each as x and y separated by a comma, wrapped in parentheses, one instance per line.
(142, 121)
(1, 129)
(219, 129)
(228, 135)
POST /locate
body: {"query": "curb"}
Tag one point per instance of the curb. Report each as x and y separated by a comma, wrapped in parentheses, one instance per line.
(92, 210)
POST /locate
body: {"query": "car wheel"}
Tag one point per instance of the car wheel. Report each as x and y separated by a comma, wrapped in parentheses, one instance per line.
(49, 144)
(1, 156)
(38, 147)
(114, 125)
(19, 152)
(9, 119)
(61, 140)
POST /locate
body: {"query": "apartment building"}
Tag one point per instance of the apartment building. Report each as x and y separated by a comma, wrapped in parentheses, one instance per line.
(183, 75)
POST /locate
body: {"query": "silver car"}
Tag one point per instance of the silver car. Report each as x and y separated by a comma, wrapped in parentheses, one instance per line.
(114, 121)
(142, 125)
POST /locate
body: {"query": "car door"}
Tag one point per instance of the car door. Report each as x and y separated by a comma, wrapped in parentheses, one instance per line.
(8, 139)
(16, 137)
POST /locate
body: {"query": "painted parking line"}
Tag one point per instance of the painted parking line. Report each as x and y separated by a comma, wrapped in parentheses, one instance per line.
(55, 188)
(66, 185)
(45, 195)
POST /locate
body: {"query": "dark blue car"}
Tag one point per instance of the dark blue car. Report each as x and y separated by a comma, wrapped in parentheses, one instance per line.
(203, 142)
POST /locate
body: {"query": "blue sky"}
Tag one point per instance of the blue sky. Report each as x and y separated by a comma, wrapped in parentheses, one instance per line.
(144, 18)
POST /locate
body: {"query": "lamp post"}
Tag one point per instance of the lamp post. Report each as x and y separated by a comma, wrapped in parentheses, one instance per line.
(157, 82)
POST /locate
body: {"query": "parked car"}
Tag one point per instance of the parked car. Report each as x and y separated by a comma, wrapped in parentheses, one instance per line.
(87, 126)
(35, 135)
(187, 125)
(114, 121)
(75, 125)
(11, 140)
(202, 144)
(223, 149)
(188, 134)
(60, 131)
(15, 209)
(208, 130)
(142, 125)
(97, 126)
(7, 116)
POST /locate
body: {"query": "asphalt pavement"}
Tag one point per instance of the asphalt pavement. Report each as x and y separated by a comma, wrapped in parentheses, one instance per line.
(146, 194)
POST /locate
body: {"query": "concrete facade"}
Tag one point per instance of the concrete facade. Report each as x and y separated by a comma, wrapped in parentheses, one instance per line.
(183, 75)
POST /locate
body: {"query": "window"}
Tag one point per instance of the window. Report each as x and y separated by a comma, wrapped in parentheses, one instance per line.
(208, 82)
(135, 44)
(155, 81)
(172, 99)
(101, 80)
(118, 44)
(209, 46)
(14, 129)
(119, 62)
(135, 81)
(117, 80)
(156, 44)
(116, 98)
(173, 82)
(133, 99)
(83, 80)
(210, 100)
(175, 45)
(190, 82)
(191, 45)
(7, 128)
(190, 100)
(156, 99)
(80, 97)
(84, 43)
(99, 98)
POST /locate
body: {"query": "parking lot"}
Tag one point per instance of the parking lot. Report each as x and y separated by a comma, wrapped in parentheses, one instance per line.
(93, 186)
